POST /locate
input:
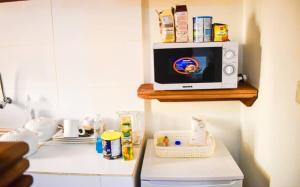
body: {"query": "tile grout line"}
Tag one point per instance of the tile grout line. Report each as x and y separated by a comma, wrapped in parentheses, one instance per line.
(54, 57)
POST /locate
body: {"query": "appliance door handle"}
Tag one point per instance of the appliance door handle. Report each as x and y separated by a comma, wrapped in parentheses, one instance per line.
(223, 183)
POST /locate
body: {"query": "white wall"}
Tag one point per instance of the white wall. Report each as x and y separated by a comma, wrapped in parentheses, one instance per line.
(224, 117)
(270, 129)
(72, 57)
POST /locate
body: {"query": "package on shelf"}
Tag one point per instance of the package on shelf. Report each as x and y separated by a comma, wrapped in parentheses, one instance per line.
(220, 32)
(167, 25)
(181, 23)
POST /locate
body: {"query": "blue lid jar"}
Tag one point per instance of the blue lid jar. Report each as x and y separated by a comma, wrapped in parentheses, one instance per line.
(195, 17)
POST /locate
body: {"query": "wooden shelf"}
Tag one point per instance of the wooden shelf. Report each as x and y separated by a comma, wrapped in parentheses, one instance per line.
(246, 93)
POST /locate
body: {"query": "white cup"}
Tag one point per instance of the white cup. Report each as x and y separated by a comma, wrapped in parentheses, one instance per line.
(71, 128)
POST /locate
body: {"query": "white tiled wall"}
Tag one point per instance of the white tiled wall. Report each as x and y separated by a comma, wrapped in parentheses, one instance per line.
(77, 57)
(72, 57)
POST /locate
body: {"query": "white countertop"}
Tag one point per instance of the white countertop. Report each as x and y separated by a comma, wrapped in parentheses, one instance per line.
(220, 166)
(79, 159)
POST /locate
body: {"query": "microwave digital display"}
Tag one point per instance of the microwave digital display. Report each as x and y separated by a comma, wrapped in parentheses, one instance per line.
(188, 65)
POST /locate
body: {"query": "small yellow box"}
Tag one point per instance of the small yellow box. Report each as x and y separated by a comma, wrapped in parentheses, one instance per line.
(220, 32)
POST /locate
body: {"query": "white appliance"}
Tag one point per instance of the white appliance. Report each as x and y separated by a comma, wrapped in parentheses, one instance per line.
(220, 170)
(187, 66)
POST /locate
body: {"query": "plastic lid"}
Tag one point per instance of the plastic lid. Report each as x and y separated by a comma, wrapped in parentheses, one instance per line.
(177, 142)
(202, 17)
(111, 135)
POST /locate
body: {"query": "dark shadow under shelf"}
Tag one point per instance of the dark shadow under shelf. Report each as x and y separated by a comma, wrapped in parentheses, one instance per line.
(245, 93)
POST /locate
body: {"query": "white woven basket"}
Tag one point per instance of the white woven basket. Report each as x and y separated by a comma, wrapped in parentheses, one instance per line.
(185, 150)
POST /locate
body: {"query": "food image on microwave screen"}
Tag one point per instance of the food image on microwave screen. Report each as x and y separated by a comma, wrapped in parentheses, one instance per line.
(190, 66)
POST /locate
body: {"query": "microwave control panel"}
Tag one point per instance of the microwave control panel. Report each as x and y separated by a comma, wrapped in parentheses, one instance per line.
(230, 65)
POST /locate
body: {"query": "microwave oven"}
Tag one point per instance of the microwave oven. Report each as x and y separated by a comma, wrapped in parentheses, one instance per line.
(188, 66)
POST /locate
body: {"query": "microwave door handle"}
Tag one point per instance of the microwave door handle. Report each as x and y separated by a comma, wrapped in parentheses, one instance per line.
(178, 183)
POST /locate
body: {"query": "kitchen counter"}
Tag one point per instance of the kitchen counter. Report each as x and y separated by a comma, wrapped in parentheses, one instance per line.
(81, 160)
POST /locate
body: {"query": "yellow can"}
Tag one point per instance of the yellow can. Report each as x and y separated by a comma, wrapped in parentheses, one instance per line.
(111, 142)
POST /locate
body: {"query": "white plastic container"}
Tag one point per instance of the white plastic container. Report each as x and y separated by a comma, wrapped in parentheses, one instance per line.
(185, 150)
(98, 125)
(198, 133)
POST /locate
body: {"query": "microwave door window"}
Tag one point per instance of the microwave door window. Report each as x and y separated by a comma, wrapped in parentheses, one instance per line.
(188, 65)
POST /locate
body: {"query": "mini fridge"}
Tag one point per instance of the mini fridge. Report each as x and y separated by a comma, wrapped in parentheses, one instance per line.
(219, 170)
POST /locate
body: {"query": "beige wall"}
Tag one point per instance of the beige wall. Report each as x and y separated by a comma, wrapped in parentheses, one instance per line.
(224, 117)
(269, 151)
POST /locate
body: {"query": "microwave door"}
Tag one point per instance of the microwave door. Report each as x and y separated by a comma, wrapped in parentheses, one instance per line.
(188, 65)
